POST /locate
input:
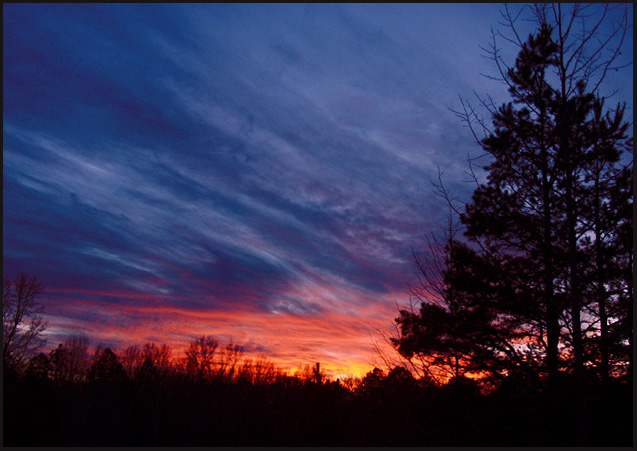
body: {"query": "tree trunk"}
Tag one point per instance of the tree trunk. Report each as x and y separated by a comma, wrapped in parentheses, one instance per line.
(574, 288)
(601, 290)
(552, 310)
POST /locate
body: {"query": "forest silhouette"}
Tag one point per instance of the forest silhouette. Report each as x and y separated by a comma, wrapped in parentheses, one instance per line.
(522, 334)
(59, 400)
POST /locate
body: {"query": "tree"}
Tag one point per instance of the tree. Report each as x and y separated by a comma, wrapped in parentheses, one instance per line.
(59, 358)
(534, 213)
(459, 328)
(607, 217)
(514, 215)
(22, 321)
(229, 358)
(160, 355)
(541, 276)
(263, 371)
(200, 356)
(69, 360)
(106, 369)
(148, 373)
(77, 346)
(372, 382)
(617, 274)
(132, 359)
(39, 367)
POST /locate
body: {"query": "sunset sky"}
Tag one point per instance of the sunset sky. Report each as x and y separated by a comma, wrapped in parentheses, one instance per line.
(255, 172)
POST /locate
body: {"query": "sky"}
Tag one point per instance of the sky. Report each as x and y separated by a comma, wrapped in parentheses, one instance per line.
(256, 172)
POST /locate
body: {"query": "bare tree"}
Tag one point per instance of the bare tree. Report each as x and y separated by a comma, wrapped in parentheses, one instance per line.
(78, 363)
(200, 356)
(69, 361)
(131, 359)
(264, 372)
(160, 355)
(229, 358)
(22, 321)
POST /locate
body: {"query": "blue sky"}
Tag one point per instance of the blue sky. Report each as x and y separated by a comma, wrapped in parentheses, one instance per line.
(255, 172)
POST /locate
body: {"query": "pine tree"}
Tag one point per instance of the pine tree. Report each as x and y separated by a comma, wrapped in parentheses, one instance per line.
(459, 328)
(544, 282)
(607, 218)
(554, 158)
(517, 215)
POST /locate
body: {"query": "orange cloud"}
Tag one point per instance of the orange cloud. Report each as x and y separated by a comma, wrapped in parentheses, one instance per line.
(340, 337)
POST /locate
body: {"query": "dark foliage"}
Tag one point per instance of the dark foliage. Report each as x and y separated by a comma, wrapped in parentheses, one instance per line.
(391, 409)
(541, 282)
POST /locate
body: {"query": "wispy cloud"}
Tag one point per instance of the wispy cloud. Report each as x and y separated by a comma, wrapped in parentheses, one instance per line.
(254, 171)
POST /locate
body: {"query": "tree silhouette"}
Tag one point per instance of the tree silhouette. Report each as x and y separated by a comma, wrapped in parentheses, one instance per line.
(69, 360)
(106, 369)
(607, 217)
(266, 407)
(229, 358)
(200, 355)
(78, 356)
(372, 381)
(39, 367)
(554, 155)
(22, 321)
(60, 363)
(148, 372)
(131, 359)
(160, 355)
(459, 328)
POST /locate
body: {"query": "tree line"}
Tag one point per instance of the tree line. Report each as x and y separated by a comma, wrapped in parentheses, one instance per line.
(203, 360)
(143, 397)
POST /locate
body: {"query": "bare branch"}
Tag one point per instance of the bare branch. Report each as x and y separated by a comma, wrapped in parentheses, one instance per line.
(22, 319)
